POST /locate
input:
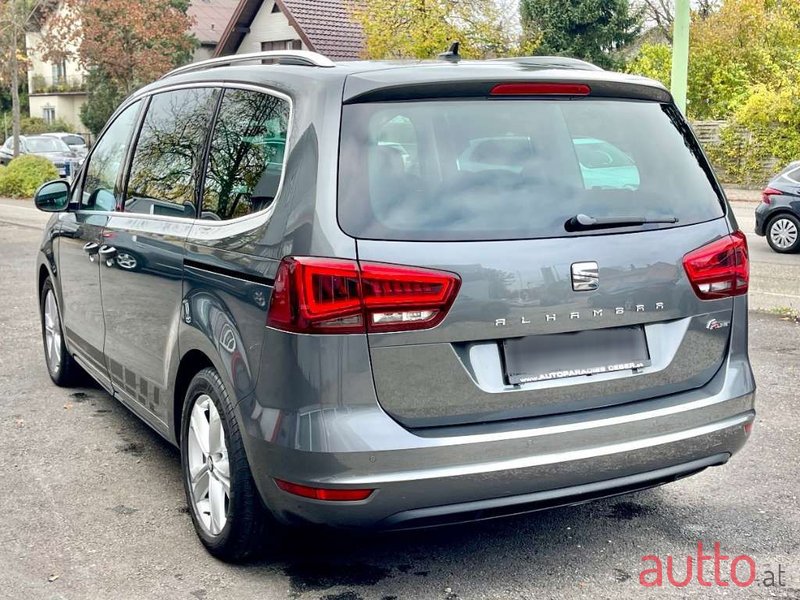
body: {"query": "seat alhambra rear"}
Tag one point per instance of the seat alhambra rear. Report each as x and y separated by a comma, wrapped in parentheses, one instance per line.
(397, 295)
(573, 250)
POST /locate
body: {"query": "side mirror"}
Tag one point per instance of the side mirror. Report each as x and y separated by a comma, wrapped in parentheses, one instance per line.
(52, 196)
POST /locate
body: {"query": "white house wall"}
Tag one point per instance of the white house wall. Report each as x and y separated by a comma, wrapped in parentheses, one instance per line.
(67, 107)
(268, 27)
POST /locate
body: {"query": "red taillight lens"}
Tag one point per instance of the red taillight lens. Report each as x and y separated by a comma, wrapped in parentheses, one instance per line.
(334, 495)
(326, 295)
(401, 298)
(767, 193)
(721, 269)
(541, 89)
(317, 295)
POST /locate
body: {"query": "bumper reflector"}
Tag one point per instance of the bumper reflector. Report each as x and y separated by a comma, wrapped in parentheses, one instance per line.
(333, 495)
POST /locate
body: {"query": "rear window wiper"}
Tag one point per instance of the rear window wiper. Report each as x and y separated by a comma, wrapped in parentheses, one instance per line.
(583, 222)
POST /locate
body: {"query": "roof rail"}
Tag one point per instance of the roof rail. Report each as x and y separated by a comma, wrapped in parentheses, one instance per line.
(551, 62)
(286, 57)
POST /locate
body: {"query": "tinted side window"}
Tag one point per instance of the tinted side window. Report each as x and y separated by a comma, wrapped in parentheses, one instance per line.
(100, 191)
(169, 153)
(247, 155)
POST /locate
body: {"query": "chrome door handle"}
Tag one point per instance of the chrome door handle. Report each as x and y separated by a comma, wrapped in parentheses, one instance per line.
(107, 252)
(91, 248)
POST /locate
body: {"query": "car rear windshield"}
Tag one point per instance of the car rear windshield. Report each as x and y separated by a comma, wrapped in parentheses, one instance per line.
(44, 144)
(73, 140)
(516, 169)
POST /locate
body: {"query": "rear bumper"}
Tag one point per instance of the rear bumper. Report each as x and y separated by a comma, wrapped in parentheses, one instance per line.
(467, 477)
(577, 494)
(762, 211)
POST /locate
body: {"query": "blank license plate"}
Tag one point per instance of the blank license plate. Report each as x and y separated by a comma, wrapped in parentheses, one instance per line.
(545, 357)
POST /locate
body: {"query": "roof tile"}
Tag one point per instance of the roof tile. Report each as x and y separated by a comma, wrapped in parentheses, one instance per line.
(210, 18)
(328, 25)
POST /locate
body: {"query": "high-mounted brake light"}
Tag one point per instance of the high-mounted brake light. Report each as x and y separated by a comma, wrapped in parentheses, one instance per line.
(541, 89)
(328, 295)
(331, 494)
(766, 195)
(720, 269)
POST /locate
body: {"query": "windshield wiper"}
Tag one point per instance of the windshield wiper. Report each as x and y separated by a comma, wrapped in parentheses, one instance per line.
(583, 222)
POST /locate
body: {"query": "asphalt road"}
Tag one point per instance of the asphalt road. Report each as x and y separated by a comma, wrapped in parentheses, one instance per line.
(93, 505)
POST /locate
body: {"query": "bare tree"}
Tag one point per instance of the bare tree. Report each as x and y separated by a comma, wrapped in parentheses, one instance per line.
(14, 18)
(661, 13)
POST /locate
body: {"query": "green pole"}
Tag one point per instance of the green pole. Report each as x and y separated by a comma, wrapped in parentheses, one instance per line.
(680, 53)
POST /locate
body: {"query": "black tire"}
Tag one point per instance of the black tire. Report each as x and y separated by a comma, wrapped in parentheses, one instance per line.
(783, 219)
(63, 369)
(247, 521)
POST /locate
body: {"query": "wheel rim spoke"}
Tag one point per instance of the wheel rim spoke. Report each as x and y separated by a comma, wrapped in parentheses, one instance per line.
(216, 496)
(215, 433)
(52, 332)
(222, 469)
(199, 426)
(201, 484)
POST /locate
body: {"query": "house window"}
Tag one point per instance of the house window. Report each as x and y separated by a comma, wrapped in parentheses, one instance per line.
(49, 114)
(282, 45)
(59, 72)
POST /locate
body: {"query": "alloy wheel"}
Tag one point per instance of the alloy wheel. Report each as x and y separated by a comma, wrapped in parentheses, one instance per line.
(126, 261)
(209, 468)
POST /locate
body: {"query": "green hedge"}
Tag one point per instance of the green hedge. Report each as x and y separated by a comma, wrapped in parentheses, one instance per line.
(24, 174)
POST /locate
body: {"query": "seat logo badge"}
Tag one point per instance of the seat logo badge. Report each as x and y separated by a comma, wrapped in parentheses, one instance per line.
(585, 276)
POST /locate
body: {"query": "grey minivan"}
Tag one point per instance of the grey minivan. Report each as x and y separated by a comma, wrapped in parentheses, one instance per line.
(281, 264)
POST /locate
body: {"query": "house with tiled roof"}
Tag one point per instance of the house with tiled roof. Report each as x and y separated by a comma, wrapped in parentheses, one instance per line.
(322, 26)
(209, 20)
(58, 89)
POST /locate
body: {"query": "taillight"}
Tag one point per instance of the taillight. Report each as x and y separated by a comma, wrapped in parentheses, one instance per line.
(720, 269)
(328, 295)
(542, 88)
(766, 195)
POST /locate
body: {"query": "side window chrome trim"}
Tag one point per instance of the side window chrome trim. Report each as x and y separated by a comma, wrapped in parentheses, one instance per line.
(221, 85)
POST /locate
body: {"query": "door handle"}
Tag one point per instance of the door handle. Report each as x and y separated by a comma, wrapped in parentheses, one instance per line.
(107, 253)
(91, 248)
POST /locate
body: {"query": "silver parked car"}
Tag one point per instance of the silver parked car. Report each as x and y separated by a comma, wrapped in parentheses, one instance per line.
(76, 142)
(50, 148)
(346, 300)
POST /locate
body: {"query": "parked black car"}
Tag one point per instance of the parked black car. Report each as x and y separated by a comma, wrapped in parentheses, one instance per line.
(778, 215)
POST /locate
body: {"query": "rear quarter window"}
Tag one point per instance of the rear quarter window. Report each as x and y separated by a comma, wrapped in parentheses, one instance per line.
(515, 169)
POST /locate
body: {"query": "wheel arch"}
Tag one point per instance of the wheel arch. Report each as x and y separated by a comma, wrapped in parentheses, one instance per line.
(43, 275)
(779, 212)
(190, 365)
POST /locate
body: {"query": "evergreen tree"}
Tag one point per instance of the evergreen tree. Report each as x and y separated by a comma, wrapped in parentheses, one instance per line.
(592, 30)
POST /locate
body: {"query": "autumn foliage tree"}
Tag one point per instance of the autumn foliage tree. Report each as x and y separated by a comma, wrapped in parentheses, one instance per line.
(14, 16)
(123, 44)
(744, 64)
(742, 47)
(424, 28)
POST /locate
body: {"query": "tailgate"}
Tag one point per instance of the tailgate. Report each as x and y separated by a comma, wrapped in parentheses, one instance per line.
(522, 290)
